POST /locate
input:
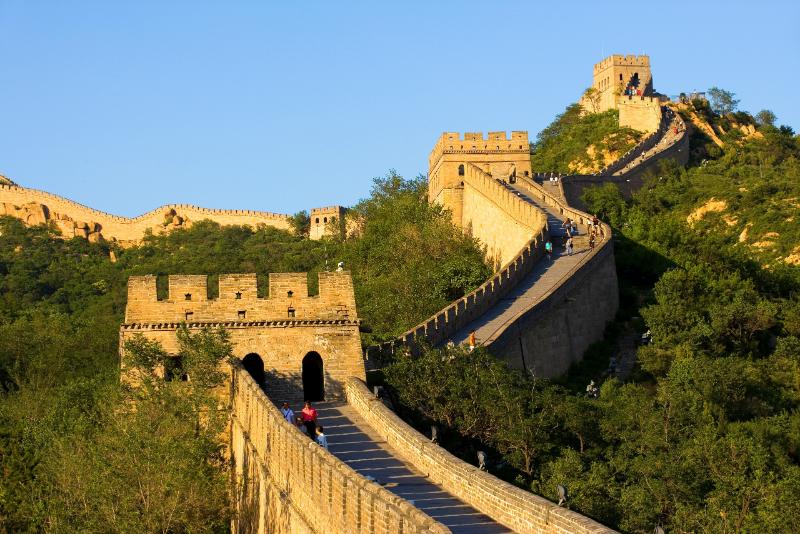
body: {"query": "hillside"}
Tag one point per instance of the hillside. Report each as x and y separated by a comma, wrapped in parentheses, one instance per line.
(581, 143)
(697, 430)
(72, 457)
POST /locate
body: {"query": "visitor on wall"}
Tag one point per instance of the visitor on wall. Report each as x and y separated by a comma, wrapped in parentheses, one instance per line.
(288, 413)
(309, 417)
(321, 439)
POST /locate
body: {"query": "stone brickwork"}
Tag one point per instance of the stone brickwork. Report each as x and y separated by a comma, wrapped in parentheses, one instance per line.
(282, 329)
(499, 156)
(326, 221)
(517, 509)
(283, 483)
(617, 73)
(641, 113)
(625, 83)
(466, 176)
(36, 207)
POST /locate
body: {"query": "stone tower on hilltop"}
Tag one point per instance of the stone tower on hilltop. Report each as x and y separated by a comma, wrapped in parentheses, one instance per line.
(625, 83)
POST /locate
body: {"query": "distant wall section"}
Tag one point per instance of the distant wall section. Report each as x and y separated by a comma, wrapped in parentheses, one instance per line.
(76, 220)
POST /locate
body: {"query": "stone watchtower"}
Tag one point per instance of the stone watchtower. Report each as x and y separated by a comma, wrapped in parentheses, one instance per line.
(297, 346)
(619, 75)
(626, 83)
(326, 221)
(500, 156)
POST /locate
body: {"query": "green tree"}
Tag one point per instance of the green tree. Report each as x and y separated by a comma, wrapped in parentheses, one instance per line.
(766, 118)
(722, 101)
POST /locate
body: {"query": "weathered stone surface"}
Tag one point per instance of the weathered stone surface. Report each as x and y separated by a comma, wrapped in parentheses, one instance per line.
(281, 329)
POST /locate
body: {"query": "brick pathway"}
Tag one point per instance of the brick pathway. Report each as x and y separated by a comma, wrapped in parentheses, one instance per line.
(544, 275)
(354, 442)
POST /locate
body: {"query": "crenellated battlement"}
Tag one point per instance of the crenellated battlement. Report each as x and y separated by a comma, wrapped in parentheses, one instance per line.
(476, 143)
(238, 299)
(619, 60)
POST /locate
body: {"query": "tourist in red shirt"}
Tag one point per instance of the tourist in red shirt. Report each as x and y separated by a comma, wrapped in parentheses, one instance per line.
(309, 418)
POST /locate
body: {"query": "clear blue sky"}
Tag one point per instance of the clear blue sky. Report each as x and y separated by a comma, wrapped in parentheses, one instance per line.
(284, 106)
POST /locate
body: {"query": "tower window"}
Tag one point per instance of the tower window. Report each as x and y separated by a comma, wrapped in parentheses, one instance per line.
(188, 296)
(188, 316)
(289, 293)
(242, 314)
(291, 312)
(238, 295)
(316, 220)
(620, 76)
(461, 170)
(324, 219)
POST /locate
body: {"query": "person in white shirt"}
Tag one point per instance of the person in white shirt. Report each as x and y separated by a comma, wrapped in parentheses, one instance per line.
(321, 439)
(287, 412)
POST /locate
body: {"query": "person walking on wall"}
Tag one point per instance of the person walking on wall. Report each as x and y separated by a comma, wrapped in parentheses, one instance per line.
(288, 413)
(548, 249)
(321, 439)
(471, 341)
(569, 246)
(309, 417)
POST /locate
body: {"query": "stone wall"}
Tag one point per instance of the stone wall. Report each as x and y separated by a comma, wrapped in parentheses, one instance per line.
(283, 483)
(641, 113)
(446, 322)
(555, 331)
(326, 221)
(515, 508)
(502, 221)
(75, 219)
(612, 75)
(281, 329)
(498, 155)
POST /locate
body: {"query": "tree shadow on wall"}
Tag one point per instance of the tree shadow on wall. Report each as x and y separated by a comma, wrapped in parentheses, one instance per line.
(247, 496)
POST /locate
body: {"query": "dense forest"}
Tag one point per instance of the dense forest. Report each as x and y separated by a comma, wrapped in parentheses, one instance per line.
(704, 434)
(73, 456)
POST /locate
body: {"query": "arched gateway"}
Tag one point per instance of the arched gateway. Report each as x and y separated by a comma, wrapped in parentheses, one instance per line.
(313, 377)
(282, 350)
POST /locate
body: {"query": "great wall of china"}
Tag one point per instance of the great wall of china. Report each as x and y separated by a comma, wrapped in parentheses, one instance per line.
(283, 482)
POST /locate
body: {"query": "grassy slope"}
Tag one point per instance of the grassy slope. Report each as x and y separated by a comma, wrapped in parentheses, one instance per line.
(575, 143)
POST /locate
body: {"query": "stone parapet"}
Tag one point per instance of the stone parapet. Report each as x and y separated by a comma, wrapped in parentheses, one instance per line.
(284, 483)
(475, 143)
(515, 508)
(238, 299)
(443, 324)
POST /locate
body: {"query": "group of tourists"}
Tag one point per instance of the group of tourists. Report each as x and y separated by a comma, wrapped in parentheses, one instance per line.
(595, 231)
(308, 422)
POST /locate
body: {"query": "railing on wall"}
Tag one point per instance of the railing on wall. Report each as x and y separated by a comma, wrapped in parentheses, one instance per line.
(324, 493)
(446, 322)
(515, 508)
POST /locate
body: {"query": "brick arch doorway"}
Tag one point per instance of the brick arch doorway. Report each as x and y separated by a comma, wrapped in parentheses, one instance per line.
(254, 365)
(313, 377)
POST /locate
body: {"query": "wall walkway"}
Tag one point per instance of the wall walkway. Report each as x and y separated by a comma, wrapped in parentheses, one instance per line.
(516, 509)
(359, 445)
(285, 483)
